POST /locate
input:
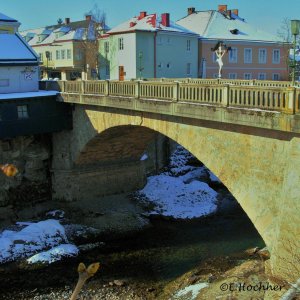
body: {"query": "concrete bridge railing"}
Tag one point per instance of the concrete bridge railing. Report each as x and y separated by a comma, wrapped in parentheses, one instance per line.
(280, 99)
(253, 82)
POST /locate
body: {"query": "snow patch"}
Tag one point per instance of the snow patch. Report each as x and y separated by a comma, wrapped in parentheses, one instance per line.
(144, 157)
(54, 254)
(191, 291)
(31, 239)
(213, 177)
(172, 197)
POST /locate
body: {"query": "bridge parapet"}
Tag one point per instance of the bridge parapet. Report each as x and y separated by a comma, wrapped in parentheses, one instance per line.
(279, 99)
(253, 82)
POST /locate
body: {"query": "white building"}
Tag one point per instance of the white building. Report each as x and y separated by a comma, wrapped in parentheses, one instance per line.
(19, 70)
(148, 47)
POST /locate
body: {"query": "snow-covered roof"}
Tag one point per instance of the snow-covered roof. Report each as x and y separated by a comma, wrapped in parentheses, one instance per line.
(64, 29)
(78, 30)
(28, 95)
(148, 23)
(15, 50)
(216, 25)
(4, 18)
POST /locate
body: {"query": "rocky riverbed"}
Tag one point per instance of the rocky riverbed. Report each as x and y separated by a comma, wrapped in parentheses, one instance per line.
(180, 252)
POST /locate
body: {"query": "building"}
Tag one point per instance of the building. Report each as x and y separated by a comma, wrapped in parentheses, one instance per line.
(254, 53)
(148, 46)
(67, 50)
(18, 62)
(24, 109)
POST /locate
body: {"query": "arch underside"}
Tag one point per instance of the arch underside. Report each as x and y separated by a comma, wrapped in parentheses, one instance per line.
(253, 167)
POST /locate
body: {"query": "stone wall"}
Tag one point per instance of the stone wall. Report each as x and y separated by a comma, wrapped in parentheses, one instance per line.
(31, 155)
(93, 182)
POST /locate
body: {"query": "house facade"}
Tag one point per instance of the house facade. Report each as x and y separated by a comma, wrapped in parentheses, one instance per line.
(148, 46)
(24, 109)
(67, 50)
(19, 70)
(254, 53)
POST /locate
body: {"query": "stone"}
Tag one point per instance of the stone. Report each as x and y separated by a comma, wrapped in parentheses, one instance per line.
(119, 282)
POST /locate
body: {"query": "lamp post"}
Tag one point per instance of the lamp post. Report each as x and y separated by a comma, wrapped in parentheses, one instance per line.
(140, 66)
(295, 24)
(47, 70)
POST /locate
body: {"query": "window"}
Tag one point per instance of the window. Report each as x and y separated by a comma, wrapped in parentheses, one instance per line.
(41, 56)
(247, 76)
(233, 55)
(262, 76)
(275, 76)
(106, 47)
(168, 65)
(63, 54)
(188, 69)
(121, 44)
(57, 54)
(276, 56)
(50, 55)
(232, 76)
(188, 45)
(247, 55)
(78, 54)
(69, 54)
(160, 65)
(4, 82)
(107, 70)
(22, 111)
(262, 56)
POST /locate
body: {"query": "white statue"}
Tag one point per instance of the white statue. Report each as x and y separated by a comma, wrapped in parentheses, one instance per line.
(220, 53)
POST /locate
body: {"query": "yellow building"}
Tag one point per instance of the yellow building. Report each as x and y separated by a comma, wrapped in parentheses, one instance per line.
(68, 50)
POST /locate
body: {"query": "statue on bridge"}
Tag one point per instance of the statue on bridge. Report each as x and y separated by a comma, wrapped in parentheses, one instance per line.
(220, 49)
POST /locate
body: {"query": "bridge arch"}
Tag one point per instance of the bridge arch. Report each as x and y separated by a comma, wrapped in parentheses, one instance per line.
(251, 165)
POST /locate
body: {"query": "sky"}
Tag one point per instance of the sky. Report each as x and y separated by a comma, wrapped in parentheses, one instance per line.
(265, 14)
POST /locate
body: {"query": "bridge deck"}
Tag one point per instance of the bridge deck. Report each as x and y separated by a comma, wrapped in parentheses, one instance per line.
(246, 102)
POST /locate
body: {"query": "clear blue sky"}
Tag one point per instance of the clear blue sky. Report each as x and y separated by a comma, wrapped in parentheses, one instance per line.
(265, 14)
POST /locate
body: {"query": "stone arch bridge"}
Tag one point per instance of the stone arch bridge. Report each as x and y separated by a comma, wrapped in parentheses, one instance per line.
(254, 150)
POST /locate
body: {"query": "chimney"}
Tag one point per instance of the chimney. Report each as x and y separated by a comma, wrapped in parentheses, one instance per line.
(165, 19)
(67, 20)
(235, 11)
(191, 10)
(222, 8)
(153, 21)
(142, 15)
(132, 24)
(228, 12)
(88, 18)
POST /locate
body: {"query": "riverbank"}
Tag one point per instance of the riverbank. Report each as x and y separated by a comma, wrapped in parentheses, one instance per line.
(146, 262)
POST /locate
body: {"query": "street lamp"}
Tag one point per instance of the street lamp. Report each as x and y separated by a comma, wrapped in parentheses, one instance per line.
(47, 56)
(140, 65)
(295, 25)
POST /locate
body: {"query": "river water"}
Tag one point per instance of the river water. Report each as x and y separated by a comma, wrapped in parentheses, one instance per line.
(171, 248)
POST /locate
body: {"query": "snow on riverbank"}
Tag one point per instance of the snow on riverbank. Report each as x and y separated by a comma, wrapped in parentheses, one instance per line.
(33, 238)
(172, 197)
(54, 254)
(180, 196)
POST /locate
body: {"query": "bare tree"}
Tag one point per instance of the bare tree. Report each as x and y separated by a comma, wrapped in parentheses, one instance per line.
(285, 35)
(91, 40)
